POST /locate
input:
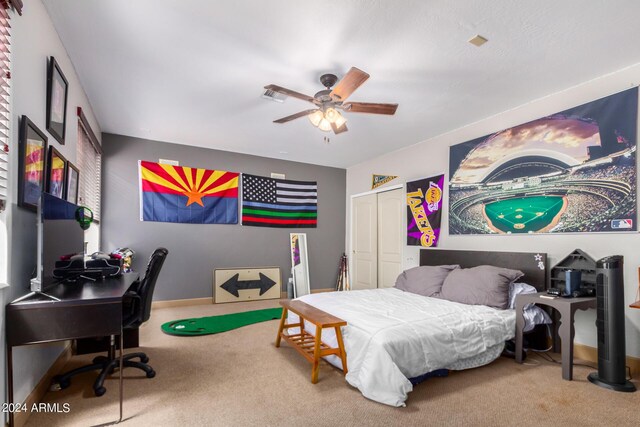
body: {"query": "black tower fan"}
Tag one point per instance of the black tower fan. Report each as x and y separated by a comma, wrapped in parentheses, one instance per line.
(610, 323)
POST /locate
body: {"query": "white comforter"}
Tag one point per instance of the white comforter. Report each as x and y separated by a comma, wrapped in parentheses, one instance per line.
(393, 335)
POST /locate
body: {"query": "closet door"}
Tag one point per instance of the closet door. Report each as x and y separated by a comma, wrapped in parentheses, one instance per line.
(390, 220)
(364, 242)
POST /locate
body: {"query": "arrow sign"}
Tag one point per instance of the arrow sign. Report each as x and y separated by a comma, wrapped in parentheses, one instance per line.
(233, 285)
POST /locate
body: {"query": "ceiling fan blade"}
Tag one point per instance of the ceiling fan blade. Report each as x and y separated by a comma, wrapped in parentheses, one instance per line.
(295, 116)
(290, 92)
(349, 83)
(370, 107)
(340, 129)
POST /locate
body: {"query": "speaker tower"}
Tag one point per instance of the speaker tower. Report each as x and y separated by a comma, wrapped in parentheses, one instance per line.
(610, 324)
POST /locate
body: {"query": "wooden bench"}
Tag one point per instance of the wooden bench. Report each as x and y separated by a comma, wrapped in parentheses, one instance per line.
(312, 348)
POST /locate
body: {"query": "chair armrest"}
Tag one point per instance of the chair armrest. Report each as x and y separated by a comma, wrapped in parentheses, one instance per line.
(131, 296)
(131, 304)
(135, 286)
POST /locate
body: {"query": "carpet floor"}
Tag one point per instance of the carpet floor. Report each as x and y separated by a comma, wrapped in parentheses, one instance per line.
(238, 378)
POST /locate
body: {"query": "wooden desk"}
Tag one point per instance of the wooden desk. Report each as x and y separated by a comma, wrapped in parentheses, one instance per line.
(131, 338)
(567, 308)
(86, 309)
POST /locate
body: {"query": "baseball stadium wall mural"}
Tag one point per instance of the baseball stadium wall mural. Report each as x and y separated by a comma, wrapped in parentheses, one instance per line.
(574, 171)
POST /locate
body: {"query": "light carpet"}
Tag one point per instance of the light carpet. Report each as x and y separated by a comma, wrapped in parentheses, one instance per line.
(239, 378)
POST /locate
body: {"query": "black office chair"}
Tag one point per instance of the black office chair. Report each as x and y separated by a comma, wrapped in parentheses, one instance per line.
(136, 311)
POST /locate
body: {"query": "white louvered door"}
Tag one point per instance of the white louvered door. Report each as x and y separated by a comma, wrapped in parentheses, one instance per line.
(390, 236)
(376, 239)
(364, 241)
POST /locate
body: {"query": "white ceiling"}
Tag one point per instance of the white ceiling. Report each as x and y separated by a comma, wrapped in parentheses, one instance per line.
(192, 71)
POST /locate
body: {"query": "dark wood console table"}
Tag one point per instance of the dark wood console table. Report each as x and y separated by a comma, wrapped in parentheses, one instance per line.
(567, 308)
(85, 309)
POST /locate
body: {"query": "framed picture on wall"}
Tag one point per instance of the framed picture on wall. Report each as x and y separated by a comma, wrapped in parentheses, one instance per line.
(56, 168)
(57, 88)
(71, 188)
(31, 164)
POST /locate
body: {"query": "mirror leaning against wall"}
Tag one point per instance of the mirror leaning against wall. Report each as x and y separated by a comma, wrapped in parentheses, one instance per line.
(299, 264)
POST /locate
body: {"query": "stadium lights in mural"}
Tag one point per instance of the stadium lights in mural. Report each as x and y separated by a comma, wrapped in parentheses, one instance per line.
(574, 171)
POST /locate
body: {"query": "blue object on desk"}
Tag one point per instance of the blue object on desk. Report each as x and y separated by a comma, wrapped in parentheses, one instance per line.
(573, 278)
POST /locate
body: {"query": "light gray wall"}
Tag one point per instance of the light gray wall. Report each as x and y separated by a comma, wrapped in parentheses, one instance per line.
(195, 249)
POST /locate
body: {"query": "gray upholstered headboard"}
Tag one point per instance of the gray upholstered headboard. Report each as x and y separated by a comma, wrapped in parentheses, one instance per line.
(529, 263)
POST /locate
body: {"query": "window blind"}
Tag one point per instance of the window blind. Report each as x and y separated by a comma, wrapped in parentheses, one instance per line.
(89, 159)
(5, 75)
(16, 4)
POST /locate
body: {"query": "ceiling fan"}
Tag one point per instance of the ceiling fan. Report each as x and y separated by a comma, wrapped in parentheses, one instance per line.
(326, 116)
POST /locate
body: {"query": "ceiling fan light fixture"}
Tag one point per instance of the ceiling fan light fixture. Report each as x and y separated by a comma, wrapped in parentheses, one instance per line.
(335, 117)
(325, 114)
(323, 119)
(316, 117)
(325, 125)
(340, 121)
(331, 114)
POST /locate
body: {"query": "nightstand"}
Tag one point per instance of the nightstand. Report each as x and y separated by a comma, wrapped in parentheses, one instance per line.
(567, 308)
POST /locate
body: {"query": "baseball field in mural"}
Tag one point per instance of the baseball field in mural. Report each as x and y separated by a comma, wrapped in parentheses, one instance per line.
(574, 171)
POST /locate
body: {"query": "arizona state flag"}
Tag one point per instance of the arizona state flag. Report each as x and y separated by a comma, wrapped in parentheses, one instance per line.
(181, 194)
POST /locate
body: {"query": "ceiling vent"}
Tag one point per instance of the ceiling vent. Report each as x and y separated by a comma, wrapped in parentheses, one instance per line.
(478, 40)
(273, 96)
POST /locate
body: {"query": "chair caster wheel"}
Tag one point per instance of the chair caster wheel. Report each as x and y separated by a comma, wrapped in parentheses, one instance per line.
(144, 359)
(99, 391)
(151, 374)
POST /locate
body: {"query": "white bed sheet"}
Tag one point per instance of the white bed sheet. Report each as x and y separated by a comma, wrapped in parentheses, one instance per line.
(393, 335)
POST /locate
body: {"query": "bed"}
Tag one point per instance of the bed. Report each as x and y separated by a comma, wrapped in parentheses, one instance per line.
(392, 335)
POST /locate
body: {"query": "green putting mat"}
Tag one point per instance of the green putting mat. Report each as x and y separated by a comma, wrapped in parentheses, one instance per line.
(217, 324)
